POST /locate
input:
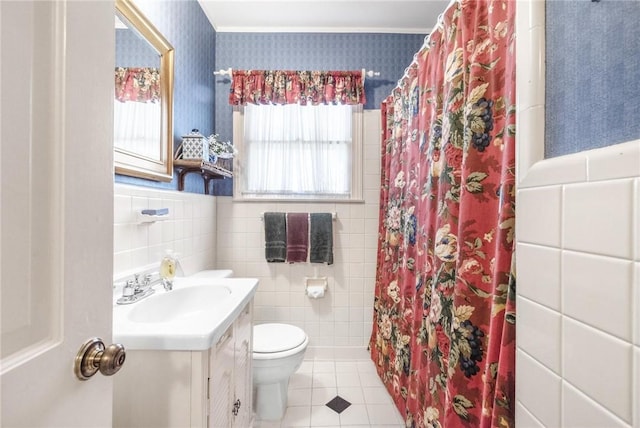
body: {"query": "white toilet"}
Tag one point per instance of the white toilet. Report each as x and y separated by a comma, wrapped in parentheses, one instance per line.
(278, 351)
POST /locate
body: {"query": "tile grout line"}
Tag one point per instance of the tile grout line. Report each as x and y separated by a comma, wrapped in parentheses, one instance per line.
(361, 372)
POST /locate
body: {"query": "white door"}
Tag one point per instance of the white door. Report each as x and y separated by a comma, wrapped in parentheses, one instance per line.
(56, 215)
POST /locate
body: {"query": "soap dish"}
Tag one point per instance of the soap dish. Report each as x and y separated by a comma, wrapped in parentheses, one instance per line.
(153, 215)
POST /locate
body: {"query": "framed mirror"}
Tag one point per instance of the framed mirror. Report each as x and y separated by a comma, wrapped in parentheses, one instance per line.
(143, 104)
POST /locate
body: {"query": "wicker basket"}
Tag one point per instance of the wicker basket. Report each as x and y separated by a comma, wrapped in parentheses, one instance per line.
(226, 163)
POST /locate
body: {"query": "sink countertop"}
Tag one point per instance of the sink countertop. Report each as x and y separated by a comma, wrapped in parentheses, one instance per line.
(193, 332)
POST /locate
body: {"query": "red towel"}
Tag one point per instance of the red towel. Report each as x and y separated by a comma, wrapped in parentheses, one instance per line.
(297, 237)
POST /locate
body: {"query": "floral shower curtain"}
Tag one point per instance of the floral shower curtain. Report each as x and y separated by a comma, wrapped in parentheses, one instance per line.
(443, 338)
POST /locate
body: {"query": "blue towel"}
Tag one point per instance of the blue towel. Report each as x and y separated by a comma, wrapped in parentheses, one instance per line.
(275, 237)
(321, 238)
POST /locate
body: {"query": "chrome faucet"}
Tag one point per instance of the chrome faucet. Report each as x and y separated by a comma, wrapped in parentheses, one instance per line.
(137, 289)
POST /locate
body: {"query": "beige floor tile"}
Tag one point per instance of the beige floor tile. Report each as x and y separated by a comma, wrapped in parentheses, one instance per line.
(353, 394)
(324, 380)
(300, 380)
(376, 395)
(384, 414)
(347, 379)
(297, 416)
(321, 396)
(324, 367)
(322, 416)
(299, 397)
(356, 414)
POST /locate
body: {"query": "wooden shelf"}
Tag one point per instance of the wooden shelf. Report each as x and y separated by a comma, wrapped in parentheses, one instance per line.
(208, 170)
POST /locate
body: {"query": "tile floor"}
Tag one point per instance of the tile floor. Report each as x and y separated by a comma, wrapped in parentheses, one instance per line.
(319, 381)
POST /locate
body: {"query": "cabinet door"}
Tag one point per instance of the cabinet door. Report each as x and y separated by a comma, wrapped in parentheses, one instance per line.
(154, 390)
(221, 389)
(243, 368)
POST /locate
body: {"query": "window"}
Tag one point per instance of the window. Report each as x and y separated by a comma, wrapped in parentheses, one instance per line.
(137, 128)
(298, 152)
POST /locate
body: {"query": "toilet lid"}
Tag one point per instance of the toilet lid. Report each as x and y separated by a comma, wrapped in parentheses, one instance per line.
(276, 337)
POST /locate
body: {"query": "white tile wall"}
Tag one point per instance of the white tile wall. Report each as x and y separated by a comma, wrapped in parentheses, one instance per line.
(540, 285)
(597, 279)
(597, 291)
(190, 229)
(542, 225)
(598, 217)
(525, 418)
(622, 162)
(582, 270)
(580, 411)
(533, 377)
(539, 332)
(343, 318)
(585, 351)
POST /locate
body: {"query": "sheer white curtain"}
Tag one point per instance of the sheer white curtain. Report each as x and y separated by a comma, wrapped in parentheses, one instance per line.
(311, 143)
(137, 127)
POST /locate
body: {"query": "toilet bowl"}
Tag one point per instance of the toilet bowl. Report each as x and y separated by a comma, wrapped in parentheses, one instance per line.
(278, 351)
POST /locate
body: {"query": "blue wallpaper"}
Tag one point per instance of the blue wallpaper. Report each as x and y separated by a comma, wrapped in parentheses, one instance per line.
(186, 27)
(200, 98)
(132, 51)
(389, 54)
(592, 75)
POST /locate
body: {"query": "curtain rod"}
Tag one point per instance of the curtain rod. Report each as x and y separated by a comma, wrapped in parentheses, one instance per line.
(222, 72)
(439, 26)
(229, 71)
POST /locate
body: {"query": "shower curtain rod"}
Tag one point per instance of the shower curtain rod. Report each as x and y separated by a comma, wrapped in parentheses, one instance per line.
(439, 25)
(229, 71)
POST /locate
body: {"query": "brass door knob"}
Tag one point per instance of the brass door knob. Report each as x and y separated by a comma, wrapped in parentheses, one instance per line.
(93, 356)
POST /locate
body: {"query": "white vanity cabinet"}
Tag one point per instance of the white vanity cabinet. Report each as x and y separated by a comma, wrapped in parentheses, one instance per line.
(230, 381)
(211, 388)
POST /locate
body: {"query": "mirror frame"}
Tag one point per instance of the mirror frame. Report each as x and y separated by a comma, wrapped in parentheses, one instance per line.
(134, 164)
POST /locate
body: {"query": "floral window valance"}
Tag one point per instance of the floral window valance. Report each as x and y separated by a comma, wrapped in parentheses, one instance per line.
(296, 87)
(137, 84)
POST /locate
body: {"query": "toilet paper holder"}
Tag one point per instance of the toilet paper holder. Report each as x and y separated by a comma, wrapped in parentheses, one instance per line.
(315, 287)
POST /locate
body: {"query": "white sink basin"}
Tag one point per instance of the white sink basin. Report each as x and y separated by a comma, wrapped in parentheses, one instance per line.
(193, 316)
(180, 304)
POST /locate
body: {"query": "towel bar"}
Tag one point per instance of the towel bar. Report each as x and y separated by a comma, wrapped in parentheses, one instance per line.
(334, 216)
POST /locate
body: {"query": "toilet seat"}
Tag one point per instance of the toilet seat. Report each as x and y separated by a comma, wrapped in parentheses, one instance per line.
(272, 338)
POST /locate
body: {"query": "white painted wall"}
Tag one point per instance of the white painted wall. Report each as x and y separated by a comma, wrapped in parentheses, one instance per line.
(578, 266)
